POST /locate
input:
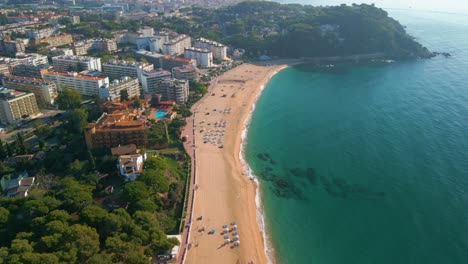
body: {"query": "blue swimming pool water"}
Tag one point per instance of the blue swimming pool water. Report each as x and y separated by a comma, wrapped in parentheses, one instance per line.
(160, 114)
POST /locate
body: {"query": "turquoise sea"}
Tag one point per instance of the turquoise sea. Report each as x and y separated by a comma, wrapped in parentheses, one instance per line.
(368, 163)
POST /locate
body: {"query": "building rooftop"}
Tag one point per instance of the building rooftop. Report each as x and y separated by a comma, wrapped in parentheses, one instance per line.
(29, 80)
(198, 50)
(117, 120)
(124, 150)
(75, 58)
(74, 75)
(179, 59)
(8, 94)
(211, 42)
(185, 68)
(149, 54)
(177, 39)
(53, 36)
(126, 63)
(156, 73)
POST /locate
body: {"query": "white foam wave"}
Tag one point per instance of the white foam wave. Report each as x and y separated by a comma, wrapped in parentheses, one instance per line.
(269, 250)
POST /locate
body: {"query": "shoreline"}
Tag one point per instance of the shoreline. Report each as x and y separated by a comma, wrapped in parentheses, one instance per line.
(267, 243)
(225, 192)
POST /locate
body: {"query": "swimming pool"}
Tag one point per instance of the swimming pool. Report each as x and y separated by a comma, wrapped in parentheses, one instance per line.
(160, 114)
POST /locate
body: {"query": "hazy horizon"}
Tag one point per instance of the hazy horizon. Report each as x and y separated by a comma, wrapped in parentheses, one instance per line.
(432, 5)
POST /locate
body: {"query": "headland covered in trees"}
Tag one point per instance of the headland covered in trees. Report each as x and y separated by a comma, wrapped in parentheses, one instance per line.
(296, 31)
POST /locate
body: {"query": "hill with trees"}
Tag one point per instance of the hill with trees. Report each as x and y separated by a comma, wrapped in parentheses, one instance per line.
(293, 30)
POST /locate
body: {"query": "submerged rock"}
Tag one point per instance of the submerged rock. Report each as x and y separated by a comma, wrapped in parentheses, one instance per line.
(311, 177)
(296, 172)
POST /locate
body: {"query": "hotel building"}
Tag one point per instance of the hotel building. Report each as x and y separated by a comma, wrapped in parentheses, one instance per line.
(112, 130)
(15, 105)
(64, 63)
(87, 85)
(27, 70)
(150, 80)
(112, 90)
(117, 69)
(177, 45)
(203, 57)
(173, 90)
(168, 62)
(55, 40)
(152, 57)
(219, 50)
(185, 73)
(104, 45)
(44, 91)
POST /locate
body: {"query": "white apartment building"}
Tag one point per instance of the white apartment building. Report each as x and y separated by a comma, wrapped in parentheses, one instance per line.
(39, 33)
(14, 105)
(173, 90)
(105, 45)
(177, 45)
(64, 63)
(146, 31)
(203, 57)
(112, 90)
(87, 85)
(219, 50)
(116, 69)
(150, 80)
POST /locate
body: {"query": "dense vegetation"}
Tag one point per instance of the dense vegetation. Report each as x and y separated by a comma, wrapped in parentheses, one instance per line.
(293, 30)
(80, 210)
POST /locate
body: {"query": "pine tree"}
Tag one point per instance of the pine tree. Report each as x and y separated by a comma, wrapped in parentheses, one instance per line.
(3, 153)
(9, 150)
(91, 160)
(20, 146)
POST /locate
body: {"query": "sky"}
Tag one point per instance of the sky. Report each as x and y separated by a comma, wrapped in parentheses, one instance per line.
(433, 5)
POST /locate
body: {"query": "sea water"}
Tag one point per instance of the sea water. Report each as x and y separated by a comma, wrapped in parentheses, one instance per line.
(368, 163)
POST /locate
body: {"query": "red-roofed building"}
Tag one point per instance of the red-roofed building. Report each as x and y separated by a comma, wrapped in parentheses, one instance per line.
(112, 130)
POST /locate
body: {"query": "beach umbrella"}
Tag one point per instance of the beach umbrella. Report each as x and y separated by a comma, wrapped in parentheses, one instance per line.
(226, 230)
(228, 241)
(236, 236)
(233, 223)
(235, 233)
(226, 237)
(236, 239)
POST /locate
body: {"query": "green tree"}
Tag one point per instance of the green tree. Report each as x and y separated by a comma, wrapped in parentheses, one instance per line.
(68, 99)
(137, 102)
(4, 215)
(155, 179)
(75, 195)
(91, 160)
(123, 95)
(143, 205)
(20, 145)
(75, 168)
(155, 163)
(84, 240)
(3, 152)
(135, 191)
(78, 119)
(9, 150)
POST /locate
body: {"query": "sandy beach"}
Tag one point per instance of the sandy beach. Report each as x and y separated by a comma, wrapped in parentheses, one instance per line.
(222, 193)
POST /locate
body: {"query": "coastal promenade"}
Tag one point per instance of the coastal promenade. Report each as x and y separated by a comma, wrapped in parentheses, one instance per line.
(219, 193)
